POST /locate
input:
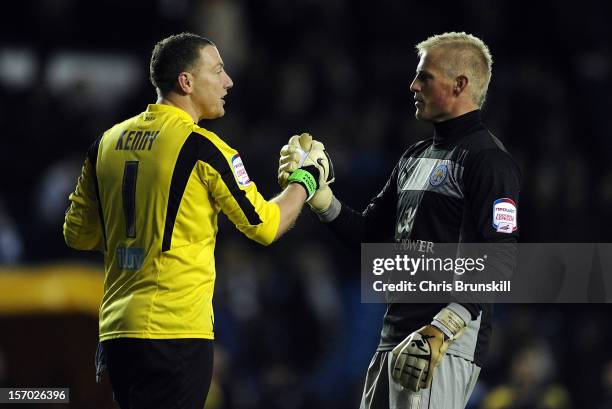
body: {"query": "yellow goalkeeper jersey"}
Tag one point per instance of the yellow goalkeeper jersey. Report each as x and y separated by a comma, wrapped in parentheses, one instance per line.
(148, 197)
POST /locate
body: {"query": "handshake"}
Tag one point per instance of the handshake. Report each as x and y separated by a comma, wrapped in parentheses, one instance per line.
(305, 161)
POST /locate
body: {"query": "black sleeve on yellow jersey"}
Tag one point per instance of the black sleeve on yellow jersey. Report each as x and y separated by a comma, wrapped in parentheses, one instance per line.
(197, 148)
(84, 223)
(92, 155)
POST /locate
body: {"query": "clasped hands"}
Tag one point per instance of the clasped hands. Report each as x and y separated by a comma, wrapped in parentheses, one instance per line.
(304, 160)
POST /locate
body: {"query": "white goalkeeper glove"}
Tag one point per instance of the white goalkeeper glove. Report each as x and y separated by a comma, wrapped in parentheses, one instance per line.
(302, 152)
(415, 358)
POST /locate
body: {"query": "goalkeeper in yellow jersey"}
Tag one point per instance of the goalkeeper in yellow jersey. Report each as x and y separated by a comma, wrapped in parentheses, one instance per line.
(148, 197)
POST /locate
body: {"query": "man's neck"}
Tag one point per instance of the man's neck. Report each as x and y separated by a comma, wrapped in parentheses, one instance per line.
(457, 111)
(457, 127)
(180, 103)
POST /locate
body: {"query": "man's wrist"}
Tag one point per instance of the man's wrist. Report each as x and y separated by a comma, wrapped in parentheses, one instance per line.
(445, 331)
(449, 322)
(306, 179)
(298, 187)
(331, 213)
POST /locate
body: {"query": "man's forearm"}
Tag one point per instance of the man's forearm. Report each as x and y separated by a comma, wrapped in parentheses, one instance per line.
(348, 225)
(290, 202)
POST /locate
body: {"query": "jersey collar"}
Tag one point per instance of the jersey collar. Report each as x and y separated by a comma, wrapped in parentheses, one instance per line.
(169, 109)
(456, 128)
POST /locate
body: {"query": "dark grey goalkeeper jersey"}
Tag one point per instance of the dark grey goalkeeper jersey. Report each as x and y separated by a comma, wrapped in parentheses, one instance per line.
(456, 187)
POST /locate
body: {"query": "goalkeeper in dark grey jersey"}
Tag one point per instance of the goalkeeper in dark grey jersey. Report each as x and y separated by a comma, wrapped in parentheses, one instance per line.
(451, 188)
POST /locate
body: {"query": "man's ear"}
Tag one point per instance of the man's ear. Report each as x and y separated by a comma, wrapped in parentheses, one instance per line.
(461, 83)
(185, 82)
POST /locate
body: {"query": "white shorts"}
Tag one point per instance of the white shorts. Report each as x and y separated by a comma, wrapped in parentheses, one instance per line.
(451, 386)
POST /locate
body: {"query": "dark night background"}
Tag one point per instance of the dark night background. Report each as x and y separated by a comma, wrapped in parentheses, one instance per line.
(291, 330)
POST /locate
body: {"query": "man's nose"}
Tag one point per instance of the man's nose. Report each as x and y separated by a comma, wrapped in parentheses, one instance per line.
(414, 87)
(229, 83)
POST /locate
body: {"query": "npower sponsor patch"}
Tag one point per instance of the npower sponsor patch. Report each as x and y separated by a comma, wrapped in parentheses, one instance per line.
(504, 215)
(241, 174)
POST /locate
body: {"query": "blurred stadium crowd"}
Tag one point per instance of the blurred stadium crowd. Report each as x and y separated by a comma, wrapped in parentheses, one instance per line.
(291, 331)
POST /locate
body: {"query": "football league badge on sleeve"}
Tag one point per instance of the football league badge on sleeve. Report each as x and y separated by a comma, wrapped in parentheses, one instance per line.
(504, 215)
(241, 174)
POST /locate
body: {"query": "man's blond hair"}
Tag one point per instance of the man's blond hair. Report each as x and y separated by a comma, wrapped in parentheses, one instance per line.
(468, 55)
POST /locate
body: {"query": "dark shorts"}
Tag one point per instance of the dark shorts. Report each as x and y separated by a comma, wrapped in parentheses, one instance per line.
(168, 374)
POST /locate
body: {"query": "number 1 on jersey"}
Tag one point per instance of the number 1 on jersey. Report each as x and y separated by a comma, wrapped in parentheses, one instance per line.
(130, 173)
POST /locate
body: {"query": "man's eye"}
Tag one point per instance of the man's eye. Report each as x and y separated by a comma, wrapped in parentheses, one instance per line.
(424, 78)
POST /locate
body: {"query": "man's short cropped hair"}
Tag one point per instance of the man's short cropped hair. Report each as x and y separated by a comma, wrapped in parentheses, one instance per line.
(468, 55)
(173, 55)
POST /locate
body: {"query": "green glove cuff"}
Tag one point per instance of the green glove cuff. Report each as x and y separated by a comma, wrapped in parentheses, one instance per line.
(306, 179)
